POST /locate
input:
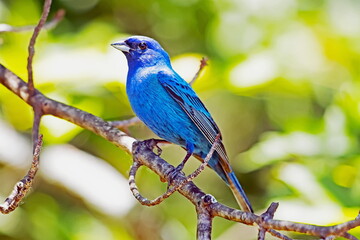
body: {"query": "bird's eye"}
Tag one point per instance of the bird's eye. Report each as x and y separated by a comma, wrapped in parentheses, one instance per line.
(142, 46)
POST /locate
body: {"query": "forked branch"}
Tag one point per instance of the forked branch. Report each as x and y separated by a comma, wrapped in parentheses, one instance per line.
(174, 186)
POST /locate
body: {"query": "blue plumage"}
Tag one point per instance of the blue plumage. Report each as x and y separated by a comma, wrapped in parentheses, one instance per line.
(171, 109)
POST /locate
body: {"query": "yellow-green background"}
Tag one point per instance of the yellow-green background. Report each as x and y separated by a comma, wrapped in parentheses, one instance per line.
(282, 84)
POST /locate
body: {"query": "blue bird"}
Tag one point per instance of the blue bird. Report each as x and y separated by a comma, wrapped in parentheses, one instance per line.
(171, 109)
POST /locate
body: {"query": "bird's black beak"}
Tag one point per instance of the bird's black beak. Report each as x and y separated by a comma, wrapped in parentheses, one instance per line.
(122, 46)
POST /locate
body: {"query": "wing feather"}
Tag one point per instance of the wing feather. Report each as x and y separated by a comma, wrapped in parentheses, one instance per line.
(185, 96)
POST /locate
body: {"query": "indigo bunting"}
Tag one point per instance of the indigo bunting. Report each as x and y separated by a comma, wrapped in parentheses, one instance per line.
(171, 109)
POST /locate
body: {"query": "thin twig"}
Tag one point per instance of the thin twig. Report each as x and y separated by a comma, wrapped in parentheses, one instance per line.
(268, 214)
(36, 124)
(59, 15)
(346, 235)
(24, 185)
(203, 63)
(206, 160)
(278, 235)
(31, 48)
(261, 234)
(125, 124)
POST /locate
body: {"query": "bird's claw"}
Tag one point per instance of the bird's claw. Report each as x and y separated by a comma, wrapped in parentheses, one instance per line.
(159, 150)
(174, 173)
(152, 143)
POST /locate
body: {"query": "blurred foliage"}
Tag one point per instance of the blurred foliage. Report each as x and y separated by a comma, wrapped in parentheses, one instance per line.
(283, 85)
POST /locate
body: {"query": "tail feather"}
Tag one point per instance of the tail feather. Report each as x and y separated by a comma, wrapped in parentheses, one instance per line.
(219, 165)
(239, 193)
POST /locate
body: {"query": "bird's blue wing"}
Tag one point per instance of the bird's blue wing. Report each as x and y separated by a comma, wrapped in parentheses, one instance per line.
(185, 96)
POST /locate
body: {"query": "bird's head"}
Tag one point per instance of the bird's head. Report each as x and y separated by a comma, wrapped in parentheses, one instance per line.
(142, 51)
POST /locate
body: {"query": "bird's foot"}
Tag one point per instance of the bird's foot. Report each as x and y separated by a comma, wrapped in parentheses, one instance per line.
(151, 143)
(174, 173)
(179, 168)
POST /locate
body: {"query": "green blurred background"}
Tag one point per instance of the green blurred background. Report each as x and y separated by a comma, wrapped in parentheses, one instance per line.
(282, 84)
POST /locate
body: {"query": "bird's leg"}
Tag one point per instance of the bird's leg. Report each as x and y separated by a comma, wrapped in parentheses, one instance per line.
(182, 164)
(179, 168)
(151, 143)
(189, 151)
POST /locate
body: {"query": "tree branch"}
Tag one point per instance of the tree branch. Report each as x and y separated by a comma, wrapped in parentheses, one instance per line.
(31, 48)
(203, 64)
(59, 15)
(145, 156)
(174, 186)
(204, 224)
(24, 185)
(36, 107)
(124, 124)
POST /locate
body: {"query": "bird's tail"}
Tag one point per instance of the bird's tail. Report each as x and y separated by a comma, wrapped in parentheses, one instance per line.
(223, 169)
(238, 192)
